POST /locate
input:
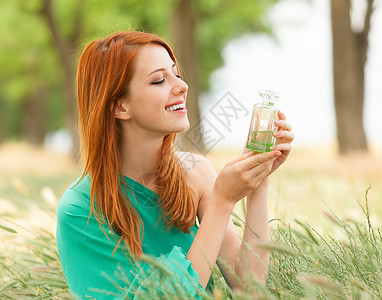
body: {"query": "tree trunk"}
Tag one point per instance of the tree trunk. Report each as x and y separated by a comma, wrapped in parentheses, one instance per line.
(185, 51)
(34, 122)
(349, 58)
(66, 48)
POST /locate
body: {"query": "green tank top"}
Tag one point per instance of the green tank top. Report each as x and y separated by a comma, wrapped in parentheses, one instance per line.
(92, 270)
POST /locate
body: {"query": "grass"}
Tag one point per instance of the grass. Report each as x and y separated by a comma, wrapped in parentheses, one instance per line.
(323, 267)
(34, 271)
(326, 241)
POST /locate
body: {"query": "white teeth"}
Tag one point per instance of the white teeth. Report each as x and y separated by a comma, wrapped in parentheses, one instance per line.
(175, 107)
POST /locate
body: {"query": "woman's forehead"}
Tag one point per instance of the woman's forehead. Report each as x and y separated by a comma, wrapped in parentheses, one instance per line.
(152, 57)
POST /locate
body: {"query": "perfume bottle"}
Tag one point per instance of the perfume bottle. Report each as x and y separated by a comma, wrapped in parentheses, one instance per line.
(262, 127)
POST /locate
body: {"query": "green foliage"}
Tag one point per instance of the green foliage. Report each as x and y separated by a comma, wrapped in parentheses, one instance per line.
(28, 57)
(27, 61)
(218, 22)
(10, 119)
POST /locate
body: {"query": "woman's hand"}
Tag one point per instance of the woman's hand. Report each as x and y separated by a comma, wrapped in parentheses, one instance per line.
(243, 175)
(284, 138)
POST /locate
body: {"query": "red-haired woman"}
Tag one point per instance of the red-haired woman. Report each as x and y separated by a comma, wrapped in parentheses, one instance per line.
(127, 227)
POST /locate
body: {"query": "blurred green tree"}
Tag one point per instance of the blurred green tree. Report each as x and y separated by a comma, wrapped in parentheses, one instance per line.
(43, 39)
(28, 76)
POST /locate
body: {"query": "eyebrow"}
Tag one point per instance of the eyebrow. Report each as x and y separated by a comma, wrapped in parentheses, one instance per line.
(161, 69)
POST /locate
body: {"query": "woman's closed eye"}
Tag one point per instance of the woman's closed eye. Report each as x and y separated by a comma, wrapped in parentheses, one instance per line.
(157, 82)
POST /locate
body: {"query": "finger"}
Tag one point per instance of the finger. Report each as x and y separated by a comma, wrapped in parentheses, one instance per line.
(259, 173)
(281, 115)
(283, 125)
(282, 147)
(245, 149)
(284, 135)
(241, 157)
(256, 160)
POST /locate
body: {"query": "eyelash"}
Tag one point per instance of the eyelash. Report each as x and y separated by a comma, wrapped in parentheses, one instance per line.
(161, 81)
(157, 82)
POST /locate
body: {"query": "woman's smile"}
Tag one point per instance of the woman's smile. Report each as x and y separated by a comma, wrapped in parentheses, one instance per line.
(178, 106)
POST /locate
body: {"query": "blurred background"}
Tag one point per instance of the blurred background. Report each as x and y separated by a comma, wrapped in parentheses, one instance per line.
(322, 56)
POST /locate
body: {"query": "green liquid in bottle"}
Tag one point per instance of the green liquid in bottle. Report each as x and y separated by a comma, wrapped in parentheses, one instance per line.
(261, 141)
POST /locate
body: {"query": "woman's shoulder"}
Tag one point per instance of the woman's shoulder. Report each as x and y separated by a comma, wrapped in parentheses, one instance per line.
(200, 172)
(76, 198)
(195, 163)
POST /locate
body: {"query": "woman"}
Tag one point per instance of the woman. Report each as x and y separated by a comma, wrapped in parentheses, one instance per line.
(128, 226)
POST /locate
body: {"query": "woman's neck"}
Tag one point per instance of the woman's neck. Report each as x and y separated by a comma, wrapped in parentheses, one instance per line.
(140, 157)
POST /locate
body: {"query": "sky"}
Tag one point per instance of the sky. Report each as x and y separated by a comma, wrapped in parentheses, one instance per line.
(296, 63)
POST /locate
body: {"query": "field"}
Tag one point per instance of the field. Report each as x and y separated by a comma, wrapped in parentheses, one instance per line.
(325, 215)
(314, 180)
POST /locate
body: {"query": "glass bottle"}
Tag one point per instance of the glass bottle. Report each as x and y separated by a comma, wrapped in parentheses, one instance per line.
(262, 127)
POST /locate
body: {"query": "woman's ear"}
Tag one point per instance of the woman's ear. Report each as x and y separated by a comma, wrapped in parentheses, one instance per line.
(121, 109)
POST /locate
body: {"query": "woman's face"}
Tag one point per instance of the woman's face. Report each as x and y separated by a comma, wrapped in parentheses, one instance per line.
(157, 95)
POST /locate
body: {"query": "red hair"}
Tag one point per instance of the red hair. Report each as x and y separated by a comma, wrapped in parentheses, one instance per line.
(105, 70)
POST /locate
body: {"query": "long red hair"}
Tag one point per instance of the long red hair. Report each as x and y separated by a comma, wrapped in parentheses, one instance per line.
(105, 70)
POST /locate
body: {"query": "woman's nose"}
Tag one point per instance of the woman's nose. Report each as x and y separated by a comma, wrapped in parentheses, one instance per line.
(180, 87)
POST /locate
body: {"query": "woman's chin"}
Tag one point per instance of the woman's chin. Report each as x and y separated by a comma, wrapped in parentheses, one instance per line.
(186, 127)
(183, 128)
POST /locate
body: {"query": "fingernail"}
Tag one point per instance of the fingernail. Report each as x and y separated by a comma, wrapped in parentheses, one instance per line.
(274, 148)
(277, 122)
(277, 133)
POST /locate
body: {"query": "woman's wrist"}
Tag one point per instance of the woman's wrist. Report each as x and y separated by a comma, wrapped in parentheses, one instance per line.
(262, 188)
(264, 184)
(221, 202)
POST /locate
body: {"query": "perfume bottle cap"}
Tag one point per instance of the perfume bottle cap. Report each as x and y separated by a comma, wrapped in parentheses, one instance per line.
(269, 97)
